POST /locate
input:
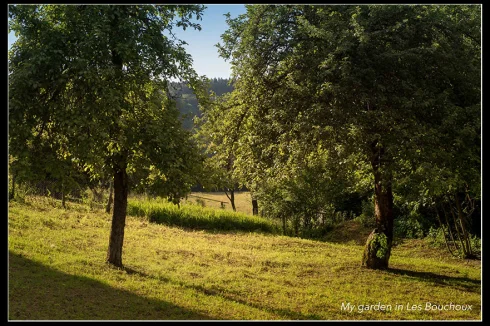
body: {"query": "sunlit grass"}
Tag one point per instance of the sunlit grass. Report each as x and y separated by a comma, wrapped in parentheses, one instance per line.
(197, 217)
(57, 271)
(243, 201)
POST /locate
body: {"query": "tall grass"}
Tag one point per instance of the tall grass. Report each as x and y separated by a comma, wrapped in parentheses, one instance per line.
(196, 217)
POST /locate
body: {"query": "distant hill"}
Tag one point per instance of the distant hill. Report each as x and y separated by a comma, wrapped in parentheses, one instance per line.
(187, 101)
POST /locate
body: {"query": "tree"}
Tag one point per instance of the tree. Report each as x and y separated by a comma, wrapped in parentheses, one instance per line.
(372, 85)
(218, 132)
(94, 78)
(40, 169)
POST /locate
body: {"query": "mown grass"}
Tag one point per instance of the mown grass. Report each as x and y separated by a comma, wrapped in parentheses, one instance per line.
(197, 217)
(57, 272)
(243, 201)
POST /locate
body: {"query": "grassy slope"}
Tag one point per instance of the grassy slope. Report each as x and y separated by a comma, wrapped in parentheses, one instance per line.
(57, 271)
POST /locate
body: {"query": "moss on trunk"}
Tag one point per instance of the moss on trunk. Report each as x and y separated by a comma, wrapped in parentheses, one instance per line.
(377, 251)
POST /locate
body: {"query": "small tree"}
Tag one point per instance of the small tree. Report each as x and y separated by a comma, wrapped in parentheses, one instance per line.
(218, 134)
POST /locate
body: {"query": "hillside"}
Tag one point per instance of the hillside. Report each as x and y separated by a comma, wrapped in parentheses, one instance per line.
(57, 272)
(187, 101)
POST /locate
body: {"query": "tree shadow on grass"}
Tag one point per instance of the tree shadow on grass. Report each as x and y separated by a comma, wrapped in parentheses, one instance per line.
(284, 313)
(230, 296)
(38, 292)
(463, 283)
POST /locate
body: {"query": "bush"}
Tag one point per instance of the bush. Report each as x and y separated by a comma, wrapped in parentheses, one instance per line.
(435, 238)
(21, 192)
(475, 243)
(407, 227)
(200, 202)
(367, 218)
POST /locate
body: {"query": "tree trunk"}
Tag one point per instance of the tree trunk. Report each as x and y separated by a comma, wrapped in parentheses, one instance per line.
(296, 226)
(467, 246)
(284, 225)
(12, 190)
(114, 253)
(255, 207)
(231, 197)
(449, 226)
(63, 198)
(109, 202)
(378, 245)
(459, 233)
(452, 239)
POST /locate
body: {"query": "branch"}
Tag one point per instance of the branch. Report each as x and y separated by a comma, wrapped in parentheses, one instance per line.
(226, 193)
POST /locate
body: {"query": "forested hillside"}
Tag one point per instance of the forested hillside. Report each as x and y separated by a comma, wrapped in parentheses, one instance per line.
(187, 101)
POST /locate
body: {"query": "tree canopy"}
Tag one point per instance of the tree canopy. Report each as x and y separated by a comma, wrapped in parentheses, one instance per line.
(389, 92)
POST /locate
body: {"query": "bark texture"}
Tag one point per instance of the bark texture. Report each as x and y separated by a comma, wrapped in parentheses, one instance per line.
(255, 207)
(111, 199)
(378, 245)
(114, 252)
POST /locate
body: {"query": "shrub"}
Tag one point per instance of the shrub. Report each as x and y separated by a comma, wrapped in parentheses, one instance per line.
(367, 218)
(435, 238)
(200, 202)
(408, 227)
(475, 243)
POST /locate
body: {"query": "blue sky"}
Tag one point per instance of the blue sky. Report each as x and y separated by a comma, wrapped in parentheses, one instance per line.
(202, 43)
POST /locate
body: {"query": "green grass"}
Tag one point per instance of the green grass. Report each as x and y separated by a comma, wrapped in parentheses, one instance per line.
(196, 217)
(57, 272)
(243, 201)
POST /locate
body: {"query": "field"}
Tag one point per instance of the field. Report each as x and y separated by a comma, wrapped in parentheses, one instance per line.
(57, 272)
(243, 202)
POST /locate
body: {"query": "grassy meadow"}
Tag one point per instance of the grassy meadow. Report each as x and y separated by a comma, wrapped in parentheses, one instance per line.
(243, 201)
(176, 268)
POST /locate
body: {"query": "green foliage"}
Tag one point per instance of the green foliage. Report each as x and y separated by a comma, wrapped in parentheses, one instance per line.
(380, 244)
(413, 220)
(187, 102)
(351, 80)
(475, 243)
(367, 218)
(40, 168)
(408, 228)
(436, 238)
(307, 198)
(21, 192)
(195, 217)
(92, 81)
(219, 129)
